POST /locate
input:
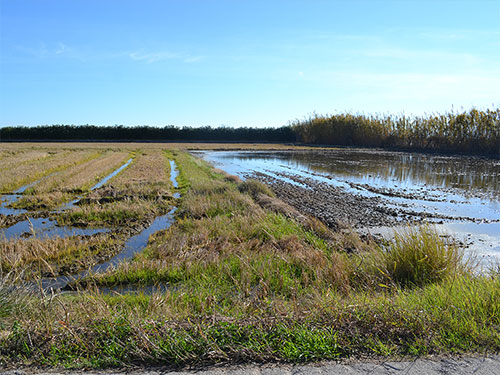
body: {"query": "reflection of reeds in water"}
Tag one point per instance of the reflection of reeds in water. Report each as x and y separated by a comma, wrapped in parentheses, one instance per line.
(449, 172)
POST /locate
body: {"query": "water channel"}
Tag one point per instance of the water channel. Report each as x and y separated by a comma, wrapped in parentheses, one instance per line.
(460, 196)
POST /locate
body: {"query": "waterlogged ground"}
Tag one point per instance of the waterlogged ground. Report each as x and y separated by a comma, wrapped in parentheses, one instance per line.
(88, 214)
(376, 191)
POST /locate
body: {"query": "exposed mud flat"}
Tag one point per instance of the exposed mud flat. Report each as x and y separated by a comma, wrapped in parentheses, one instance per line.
(338, 207)
(332, 205)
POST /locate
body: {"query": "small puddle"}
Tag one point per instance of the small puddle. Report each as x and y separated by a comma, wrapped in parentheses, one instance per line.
(132, 246)
(111, 175)
(7, 200)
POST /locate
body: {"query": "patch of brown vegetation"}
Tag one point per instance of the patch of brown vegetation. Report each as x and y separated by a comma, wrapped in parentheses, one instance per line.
(56, 256)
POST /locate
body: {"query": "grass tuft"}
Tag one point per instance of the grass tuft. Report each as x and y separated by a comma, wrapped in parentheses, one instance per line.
(254, 188)
(419, 256)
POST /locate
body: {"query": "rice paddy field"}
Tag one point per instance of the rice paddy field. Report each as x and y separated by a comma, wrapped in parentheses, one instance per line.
(123, 255)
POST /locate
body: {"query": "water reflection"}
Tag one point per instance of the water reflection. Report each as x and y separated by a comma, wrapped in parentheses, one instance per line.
(378, 168)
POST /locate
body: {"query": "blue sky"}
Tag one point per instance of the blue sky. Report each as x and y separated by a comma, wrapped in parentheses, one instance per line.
(242, 63)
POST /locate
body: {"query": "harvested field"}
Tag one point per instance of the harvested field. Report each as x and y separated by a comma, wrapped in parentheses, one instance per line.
(149, 173)
(56, 256)
(16, 175)
(13, 158)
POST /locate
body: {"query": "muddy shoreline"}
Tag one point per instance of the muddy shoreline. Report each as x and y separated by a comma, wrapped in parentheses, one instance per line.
(339, 208)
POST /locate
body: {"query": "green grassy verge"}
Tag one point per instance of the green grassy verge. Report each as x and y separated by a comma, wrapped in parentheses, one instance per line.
(244, 278)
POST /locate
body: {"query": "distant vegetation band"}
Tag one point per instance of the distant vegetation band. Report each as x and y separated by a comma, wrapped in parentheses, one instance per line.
(474, 132)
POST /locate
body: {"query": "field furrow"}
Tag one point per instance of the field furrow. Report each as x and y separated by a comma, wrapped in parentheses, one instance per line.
(62, 187)
(82, 176)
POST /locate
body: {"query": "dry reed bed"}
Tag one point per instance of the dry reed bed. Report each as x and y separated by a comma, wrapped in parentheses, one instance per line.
(46, 257)
(29, 172)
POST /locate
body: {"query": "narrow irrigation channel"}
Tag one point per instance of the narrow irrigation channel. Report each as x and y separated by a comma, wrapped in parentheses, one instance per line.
(133, 245)
(7, 200)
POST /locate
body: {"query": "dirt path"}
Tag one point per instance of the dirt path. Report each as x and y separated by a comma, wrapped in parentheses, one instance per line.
(489, 365)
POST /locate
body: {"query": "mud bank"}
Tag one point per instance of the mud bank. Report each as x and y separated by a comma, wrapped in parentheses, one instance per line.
(339, 208)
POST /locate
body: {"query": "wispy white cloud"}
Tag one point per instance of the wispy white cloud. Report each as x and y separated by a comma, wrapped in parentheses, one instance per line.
(153, 57)
(193, 59)
(419, 54)
(63, 50)
(460, 34)
(44, 50)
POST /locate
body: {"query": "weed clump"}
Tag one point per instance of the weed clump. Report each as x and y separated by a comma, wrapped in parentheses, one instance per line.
(420, 256)
(254, 188)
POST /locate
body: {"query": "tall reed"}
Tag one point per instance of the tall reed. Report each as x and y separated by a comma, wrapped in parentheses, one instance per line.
(474, 131)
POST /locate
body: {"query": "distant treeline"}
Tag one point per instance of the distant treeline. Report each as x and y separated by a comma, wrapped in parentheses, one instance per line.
(471, 132)
(147, 133)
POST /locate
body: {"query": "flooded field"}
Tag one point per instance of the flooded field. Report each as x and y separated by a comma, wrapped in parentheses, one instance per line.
(377, 191)
(88, 214)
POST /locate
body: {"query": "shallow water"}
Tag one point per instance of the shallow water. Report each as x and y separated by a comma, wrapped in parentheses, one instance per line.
(8, 199)
(465, 190)
(132, 246)
(111, 175)
(44, 228)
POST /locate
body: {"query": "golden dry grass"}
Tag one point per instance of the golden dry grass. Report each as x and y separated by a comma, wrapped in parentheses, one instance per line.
(24, 173)
(149, 171)
(61, 187)
(55, 256)
(12, 158)
(83, 176)
(52, 146)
